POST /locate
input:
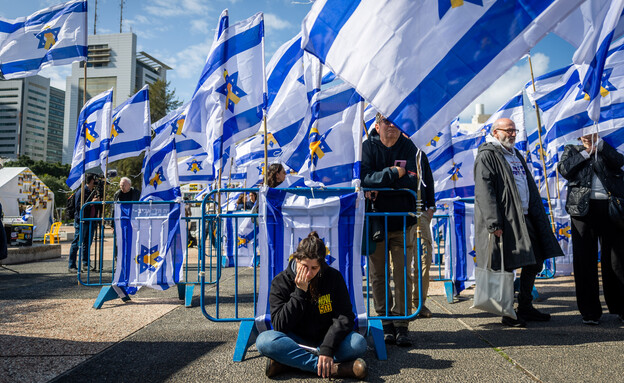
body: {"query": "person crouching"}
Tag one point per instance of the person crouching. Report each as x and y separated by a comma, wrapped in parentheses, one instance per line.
(312, 319)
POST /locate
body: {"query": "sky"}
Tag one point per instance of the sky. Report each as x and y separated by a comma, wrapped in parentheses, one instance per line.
(180, 32)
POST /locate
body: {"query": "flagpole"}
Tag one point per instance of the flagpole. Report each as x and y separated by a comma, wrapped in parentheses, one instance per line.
(84, 143)
(541, 151)
(264, 111)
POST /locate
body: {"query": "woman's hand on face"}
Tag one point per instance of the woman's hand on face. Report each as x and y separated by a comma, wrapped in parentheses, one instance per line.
(325, 364)
(301, 279)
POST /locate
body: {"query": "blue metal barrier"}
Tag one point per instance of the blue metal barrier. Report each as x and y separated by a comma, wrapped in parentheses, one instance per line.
(98, 274)
(247, 315)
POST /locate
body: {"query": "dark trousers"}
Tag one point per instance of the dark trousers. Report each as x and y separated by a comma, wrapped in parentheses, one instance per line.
(529, 273)
(586, 232)
(87, 238)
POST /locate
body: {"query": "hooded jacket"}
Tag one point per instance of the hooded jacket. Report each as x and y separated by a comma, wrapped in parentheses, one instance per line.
(377, 172)
(498, 206)
(579, 172)
(326, 322)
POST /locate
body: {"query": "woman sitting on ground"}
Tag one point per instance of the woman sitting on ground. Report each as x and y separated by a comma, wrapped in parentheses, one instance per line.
(312, 318)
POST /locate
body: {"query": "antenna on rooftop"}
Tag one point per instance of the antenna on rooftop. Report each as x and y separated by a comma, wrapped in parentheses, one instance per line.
(121, 2)
(95, 17)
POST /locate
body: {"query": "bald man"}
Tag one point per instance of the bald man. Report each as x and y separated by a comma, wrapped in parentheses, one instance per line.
(508, 206)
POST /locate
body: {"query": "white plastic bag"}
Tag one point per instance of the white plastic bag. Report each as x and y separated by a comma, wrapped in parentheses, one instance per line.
(494, 291)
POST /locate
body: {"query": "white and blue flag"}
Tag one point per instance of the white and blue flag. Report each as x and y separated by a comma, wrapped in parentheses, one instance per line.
(249, 158)
(564, 104)
(150, 246)
(334, 140)
(92, 132)
(421, 63)
(160, 173)
(52, 36)
(459, 250)
(27, 214)
(130, 132)
(194, 169)
(601, 18)
(229, 102)
(287, 218)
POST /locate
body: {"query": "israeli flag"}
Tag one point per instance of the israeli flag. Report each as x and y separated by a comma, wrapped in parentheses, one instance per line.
(229, 103)
(130, 132)
(187, 143)
(240, 242)
(451, 158)
(563, 102)
(160, 173)
(52, 36)
(571, 31)
(287, 218)
(150, 246)
(421, 63)
(334, 141)
(92, 132)
(603, 17)
(195, 169)
(249, 158)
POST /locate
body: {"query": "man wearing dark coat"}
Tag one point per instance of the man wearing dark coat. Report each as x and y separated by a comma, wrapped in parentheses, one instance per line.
(508, 206)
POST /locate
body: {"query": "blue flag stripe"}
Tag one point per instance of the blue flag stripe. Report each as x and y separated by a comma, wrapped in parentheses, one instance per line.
(330, 20)
(229, 48)
(281, 70)
(43, 17)
(129, 147)
(53, 54)
(436, 88)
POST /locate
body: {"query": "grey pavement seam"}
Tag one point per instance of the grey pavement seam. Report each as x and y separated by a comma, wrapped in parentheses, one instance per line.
(492, 346)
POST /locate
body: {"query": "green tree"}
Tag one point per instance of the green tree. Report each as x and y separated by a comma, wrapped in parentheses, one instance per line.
(40, 168)
(162, 100)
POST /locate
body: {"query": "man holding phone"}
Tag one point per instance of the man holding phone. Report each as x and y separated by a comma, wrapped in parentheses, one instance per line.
(389, 161)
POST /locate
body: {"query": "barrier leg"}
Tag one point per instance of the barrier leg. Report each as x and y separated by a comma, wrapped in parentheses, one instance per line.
(375, 330)
(106, 294)
(247, 334)
(185, 291)
(449, 291)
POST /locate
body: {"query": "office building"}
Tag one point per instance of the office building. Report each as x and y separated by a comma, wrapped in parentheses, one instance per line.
(29, 119)
(113, 62)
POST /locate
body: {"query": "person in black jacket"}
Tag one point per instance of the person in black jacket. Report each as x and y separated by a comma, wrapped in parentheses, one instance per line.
(312, 318)
(88, 227)
(126, 192)
(593, 170)
(389, 161)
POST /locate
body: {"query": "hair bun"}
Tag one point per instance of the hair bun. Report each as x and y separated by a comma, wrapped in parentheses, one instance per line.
(313, 234)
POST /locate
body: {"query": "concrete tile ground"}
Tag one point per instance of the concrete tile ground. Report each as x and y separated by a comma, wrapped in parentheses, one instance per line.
(49, 331)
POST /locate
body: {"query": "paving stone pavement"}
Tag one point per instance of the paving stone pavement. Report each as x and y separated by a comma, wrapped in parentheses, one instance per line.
(50, 332)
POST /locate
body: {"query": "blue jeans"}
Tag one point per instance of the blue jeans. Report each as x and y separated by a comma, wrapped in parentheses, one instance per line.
(285, 349)
(87, 238)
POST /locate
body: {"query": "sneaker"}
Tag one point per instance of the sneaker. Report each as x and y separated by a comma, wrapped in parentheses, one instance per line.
(532, 314)
(425, 312)
(72, 269)
(402, 337)
(355, 369)
(274, 368)
(389, 334)
(591, 322)
(509, 321)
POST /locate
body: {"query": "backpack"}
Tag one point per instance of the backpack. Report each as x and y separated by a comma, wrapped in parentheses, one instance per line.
(70, 206)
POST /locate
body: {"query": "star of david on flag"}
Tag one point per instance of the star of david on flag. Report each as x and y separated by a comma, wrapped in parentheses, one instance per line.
(231, 91)
(52, 36)
(149, 258)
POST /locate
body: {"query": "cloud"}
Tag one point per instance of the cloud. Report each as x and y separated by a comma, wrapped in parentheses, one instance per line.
(272, 21)
(57, 75)
(165, 8)
(507, 85)
(200, 26)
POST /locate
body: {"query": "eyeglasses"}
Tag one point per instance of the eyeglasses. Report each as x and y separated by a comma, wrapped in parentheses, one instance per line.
(509, 131)
(385, 121)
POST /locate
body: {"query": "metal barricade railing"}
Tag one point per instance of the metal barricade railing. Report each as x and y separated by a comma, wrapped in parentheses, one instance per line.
(228, 290)
(101, 263)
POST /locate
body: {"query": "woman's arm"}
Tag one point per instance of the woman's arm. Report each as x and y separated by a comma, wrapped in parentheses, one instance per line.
(343, 320)
(571, 162)
(288, 304)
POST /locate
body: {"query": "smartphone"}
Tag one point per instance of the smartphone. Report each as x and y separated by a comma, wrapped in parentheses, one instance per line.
(400, 163)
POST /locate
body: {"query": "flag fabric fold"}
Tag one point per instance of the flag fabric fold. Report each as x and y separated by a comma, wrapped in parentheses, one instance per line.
(52, 36)
(92, 132)
(130, 132)
(421, 63)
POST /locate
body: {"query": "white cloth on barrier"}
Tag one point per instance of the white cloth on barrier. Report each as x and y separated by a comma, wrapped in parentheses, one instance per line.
(150, 246)
(286, 218)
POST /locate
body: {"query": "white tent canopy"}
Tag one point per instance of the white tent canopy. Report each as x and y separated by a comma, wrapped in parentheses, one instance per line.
(20, 188)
